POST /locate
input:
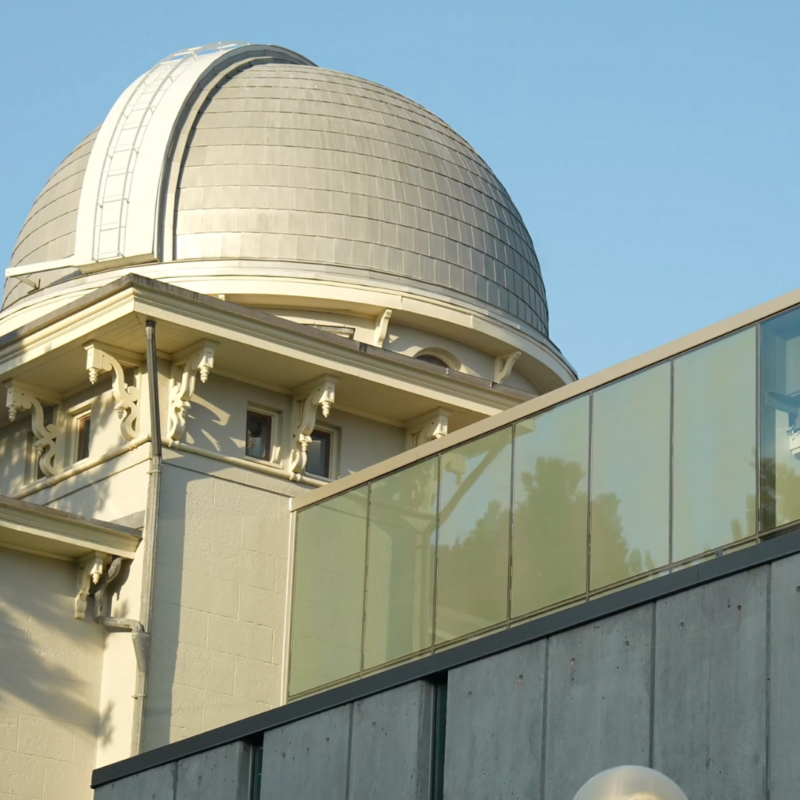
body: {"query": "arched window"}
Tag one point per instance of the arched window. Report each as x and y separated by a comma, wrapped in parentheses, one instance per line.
(429, 358)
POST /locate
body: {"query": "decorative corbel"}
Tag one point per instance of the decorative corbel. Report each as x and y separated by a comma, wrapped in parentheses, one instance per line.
(22, 397)
(200, 361)
(382, 327)
(99, 360)
(427, 428)
(90, 570)
(307, 399)
(504, 364)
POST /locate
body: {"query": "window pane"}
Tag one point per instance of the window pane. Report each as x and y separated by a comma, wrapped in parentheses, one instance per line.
(780, 425)
(327, 610)
(472, 583)
(259, 436)
(84, 434)
(714, 445)
(630, 477)
(551, 507)
(402, 529)
(319, 454)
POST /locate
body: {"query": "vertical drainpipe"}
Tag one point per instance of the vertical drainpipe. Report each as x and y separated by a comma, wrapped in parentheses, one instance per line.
(150, 528)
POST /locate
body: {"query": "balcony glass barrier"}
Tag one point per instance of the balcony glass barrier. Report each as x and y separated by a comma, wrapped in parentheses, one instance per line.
(674, 464)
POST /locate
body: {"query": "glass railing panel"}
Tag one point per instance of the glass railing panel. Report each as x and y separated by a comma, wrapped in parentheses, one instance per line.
(473, 540)
(630, 477)
(328, 595)
(401, 563)
(780, 420)
(551, 507)
(714, 478)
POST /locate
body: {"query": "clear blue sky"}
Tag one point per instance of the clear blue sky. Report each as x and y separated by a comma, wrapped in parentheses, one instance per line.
(652, 146)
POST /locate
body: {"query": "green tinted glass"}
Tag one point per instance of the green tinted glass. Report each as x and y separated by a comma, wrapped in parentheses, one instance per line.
(402, 533)
(327, 608)
(551, 507)
(780, 420)
(714, 439)
(630, 477)
(474, 521)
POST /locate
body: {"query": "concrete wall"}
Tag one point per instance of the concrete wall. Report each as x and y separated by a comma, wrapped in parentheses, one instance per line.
(222, 774)
(703, 685)
(50, 676)
(219, 603)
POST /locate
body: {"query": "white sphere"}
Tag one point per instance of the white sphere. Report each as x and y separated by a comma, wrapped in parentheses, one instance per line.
(630, 783)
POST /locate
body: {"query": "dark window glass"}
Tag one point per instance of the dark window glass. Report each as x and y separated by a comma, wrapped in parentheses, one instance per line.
(429, 359)
(319, 454)
(780, 420)
(259, 436)
(84, 433)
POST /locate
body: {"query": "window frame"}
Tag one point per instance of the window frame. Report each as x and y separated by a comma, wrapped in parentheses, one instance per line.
(333, 454)
(76, 414)
(274, 455)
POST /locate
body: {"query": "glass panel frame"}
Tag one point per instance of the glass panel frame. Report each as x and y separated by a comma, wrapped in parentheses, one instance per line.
(472, 547)
(630, 496)
(550, 519)
(401, 563)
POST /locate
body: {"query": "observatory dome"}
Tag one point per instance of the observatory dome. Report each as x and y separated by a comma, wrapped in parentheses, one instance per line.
(247, 172)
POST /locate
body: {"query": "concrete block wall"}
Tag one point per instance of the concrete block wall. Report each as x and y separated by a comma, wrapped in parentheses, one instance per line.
(51, 667)
(220, 774)
(219, 604)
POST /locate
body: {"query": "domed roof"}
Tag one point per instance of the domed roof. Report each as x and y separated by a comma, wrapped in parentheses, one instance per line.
(245, 169)
(309, 165)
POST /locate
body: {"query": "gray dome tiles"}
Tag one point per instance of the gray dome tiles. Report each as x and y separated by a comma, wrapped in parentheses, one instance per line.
(49, 231)
(300, 164)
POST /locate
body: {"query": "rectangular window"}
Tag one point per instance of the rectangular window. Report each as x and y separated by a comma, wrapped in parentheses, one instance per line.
(83, 433)
(714, 471)
(402, 535)
(474, 530)
(319, 454)
(258, 441)
(328, 594)
(551, 507)
(780, 420)
(630, 476)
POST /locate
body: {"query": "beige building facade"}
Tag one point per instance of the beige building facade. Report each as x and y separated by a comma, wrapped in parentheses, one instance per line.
(256, 276)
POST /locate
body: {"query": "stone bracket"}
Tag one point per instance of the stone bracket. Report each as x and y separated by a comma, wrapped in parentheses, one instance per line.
(504, 364)
(99, 359)
(90, 570)
(382, 327)
(427, 428)
(197, 360)
(307, 399)
(24, 397)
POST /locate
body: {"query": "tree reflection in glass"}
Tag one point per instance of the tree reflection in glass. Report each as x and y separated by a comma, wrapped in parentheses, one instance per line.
(551, 504)
(473, 539)
(630, 477)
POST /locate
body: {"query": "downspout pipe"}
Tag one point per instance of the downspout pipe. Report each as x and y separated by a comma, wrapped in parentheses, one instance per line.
(140, 638)
(150, 534)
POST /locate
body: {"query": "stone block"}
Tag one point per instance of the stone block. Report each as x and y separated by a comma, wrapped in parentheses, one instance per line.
(154, 784)
(308, 758)
(9, 729)
(262, 607)
(256, 680)
(598, 700)
(180, 623)
(219, 774)
(221, 709)
(391, 744)
(204, 668)
(709, 726)
(240, 638)
(21, 774)
(39, 736)
(243, 566)
(63, 781)
(494, 726)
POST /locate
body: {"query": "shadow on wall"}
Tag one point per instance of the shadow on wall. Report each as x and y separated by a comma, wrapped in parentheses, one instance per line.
(50, 663)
